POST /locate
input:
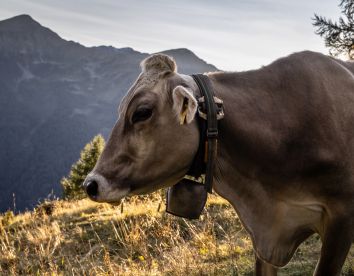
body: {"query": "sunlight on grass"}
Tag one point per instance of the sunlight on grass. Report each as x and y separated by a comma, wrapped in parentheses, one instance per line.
(136, 238)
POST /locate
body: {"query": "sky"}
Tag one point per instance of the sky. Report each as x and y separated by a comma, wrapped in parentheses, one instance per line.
(233, 35)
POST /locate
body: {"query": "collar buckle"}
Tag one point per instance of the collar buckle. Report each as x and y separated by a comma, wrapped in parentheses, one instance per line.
(219, 104)
(212, 133)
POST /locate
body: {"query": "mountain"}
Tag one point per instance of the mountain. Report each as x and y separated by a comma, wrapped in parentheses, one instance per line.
(55, 95)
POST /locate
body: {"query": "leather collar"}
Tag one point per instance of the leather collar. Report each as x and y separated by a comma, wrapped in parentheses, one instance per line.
(210, 110)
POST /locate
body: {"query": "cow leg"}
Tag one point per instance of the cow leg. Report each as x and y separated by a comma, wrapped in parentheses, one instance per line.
(264, 269)
(335, 247)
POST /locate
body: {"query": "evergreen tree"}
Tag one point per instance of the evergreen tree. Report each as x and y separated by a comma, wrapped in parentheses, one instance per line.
(72, 184)
(338, 36)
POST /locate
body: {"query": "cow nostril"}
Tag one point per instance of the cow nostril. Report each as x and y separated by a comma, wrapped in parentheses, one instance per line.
(92, 189)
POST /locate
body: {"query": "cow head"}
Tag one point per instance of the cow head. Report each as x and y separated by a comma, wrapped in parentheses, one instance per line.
(155, 138)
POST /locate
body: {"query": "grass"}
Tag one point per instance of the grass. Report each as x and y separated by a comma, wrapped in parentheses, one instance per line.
(137, 238)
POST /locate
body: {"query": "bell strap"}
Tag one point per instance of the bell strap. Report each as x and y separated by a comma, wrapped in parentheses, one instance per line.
(211, 110)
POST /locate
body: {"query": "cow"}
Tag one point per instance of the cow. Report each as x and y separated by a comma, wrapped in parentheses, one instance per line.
(285, 157)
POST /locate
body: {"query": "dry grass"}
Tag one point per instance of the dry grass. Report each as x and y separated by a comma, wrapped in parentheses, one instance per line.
(85, 238)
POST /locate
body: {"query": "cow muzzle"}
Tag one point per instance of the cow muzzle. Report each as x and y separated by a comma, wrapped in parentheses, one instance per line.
(99, 189)
(91, 188)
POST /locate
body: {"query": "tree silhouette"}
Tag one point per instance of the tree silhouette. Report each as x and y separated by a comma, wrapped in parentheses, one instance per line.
(338, 36)
(72, 184)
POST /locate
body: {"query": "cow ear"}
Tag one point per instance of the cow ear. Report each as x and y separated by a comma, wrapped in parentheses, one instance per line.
(184, 104)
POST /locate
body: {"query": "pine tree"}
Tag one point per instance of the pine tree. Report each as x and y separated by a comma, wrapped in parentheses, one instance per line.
(338, 36)
(72, 184)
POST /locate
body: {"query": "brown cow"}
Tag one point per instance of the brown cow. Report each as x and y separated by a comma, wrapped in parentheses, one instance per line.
(286, 150)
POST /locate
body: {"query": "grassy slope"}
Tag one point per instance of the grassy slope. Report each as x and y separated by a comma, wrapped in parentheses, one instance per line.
(85, 238)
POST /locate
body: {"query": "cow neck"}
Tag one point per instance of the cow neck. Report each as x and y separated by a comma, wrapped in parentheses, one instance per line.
(207, 116)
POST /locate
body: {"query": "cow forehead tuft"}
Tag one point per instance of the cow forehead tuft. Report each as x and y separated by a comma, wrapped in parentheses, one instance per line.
(158, 63)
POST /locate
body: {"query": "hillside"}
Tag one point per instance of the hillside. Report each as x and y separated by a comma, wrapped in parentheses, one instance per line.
(137, 238)
(55, 95)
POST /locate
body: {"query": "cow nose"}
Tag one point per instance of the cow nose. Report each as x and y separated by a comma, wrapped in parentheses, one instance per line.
(92, 189)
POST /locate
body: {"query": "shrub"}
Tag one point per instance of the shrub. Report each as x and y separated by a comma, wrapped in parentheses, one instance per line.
(72, 184)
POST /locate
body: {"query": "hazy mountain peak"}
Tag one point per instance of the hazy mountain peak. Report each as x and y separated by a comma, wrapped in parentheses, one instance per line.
(183, 55)
(23, 35)
(179, 51)
(20, 23)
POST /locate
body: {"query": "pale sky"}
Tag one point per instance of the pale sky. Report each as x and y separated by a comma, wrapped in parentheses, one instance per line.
(231, 34)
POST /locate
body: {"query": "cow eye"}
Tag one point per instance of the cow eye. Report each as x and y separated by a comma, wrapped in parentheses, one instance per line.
(141, 114)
